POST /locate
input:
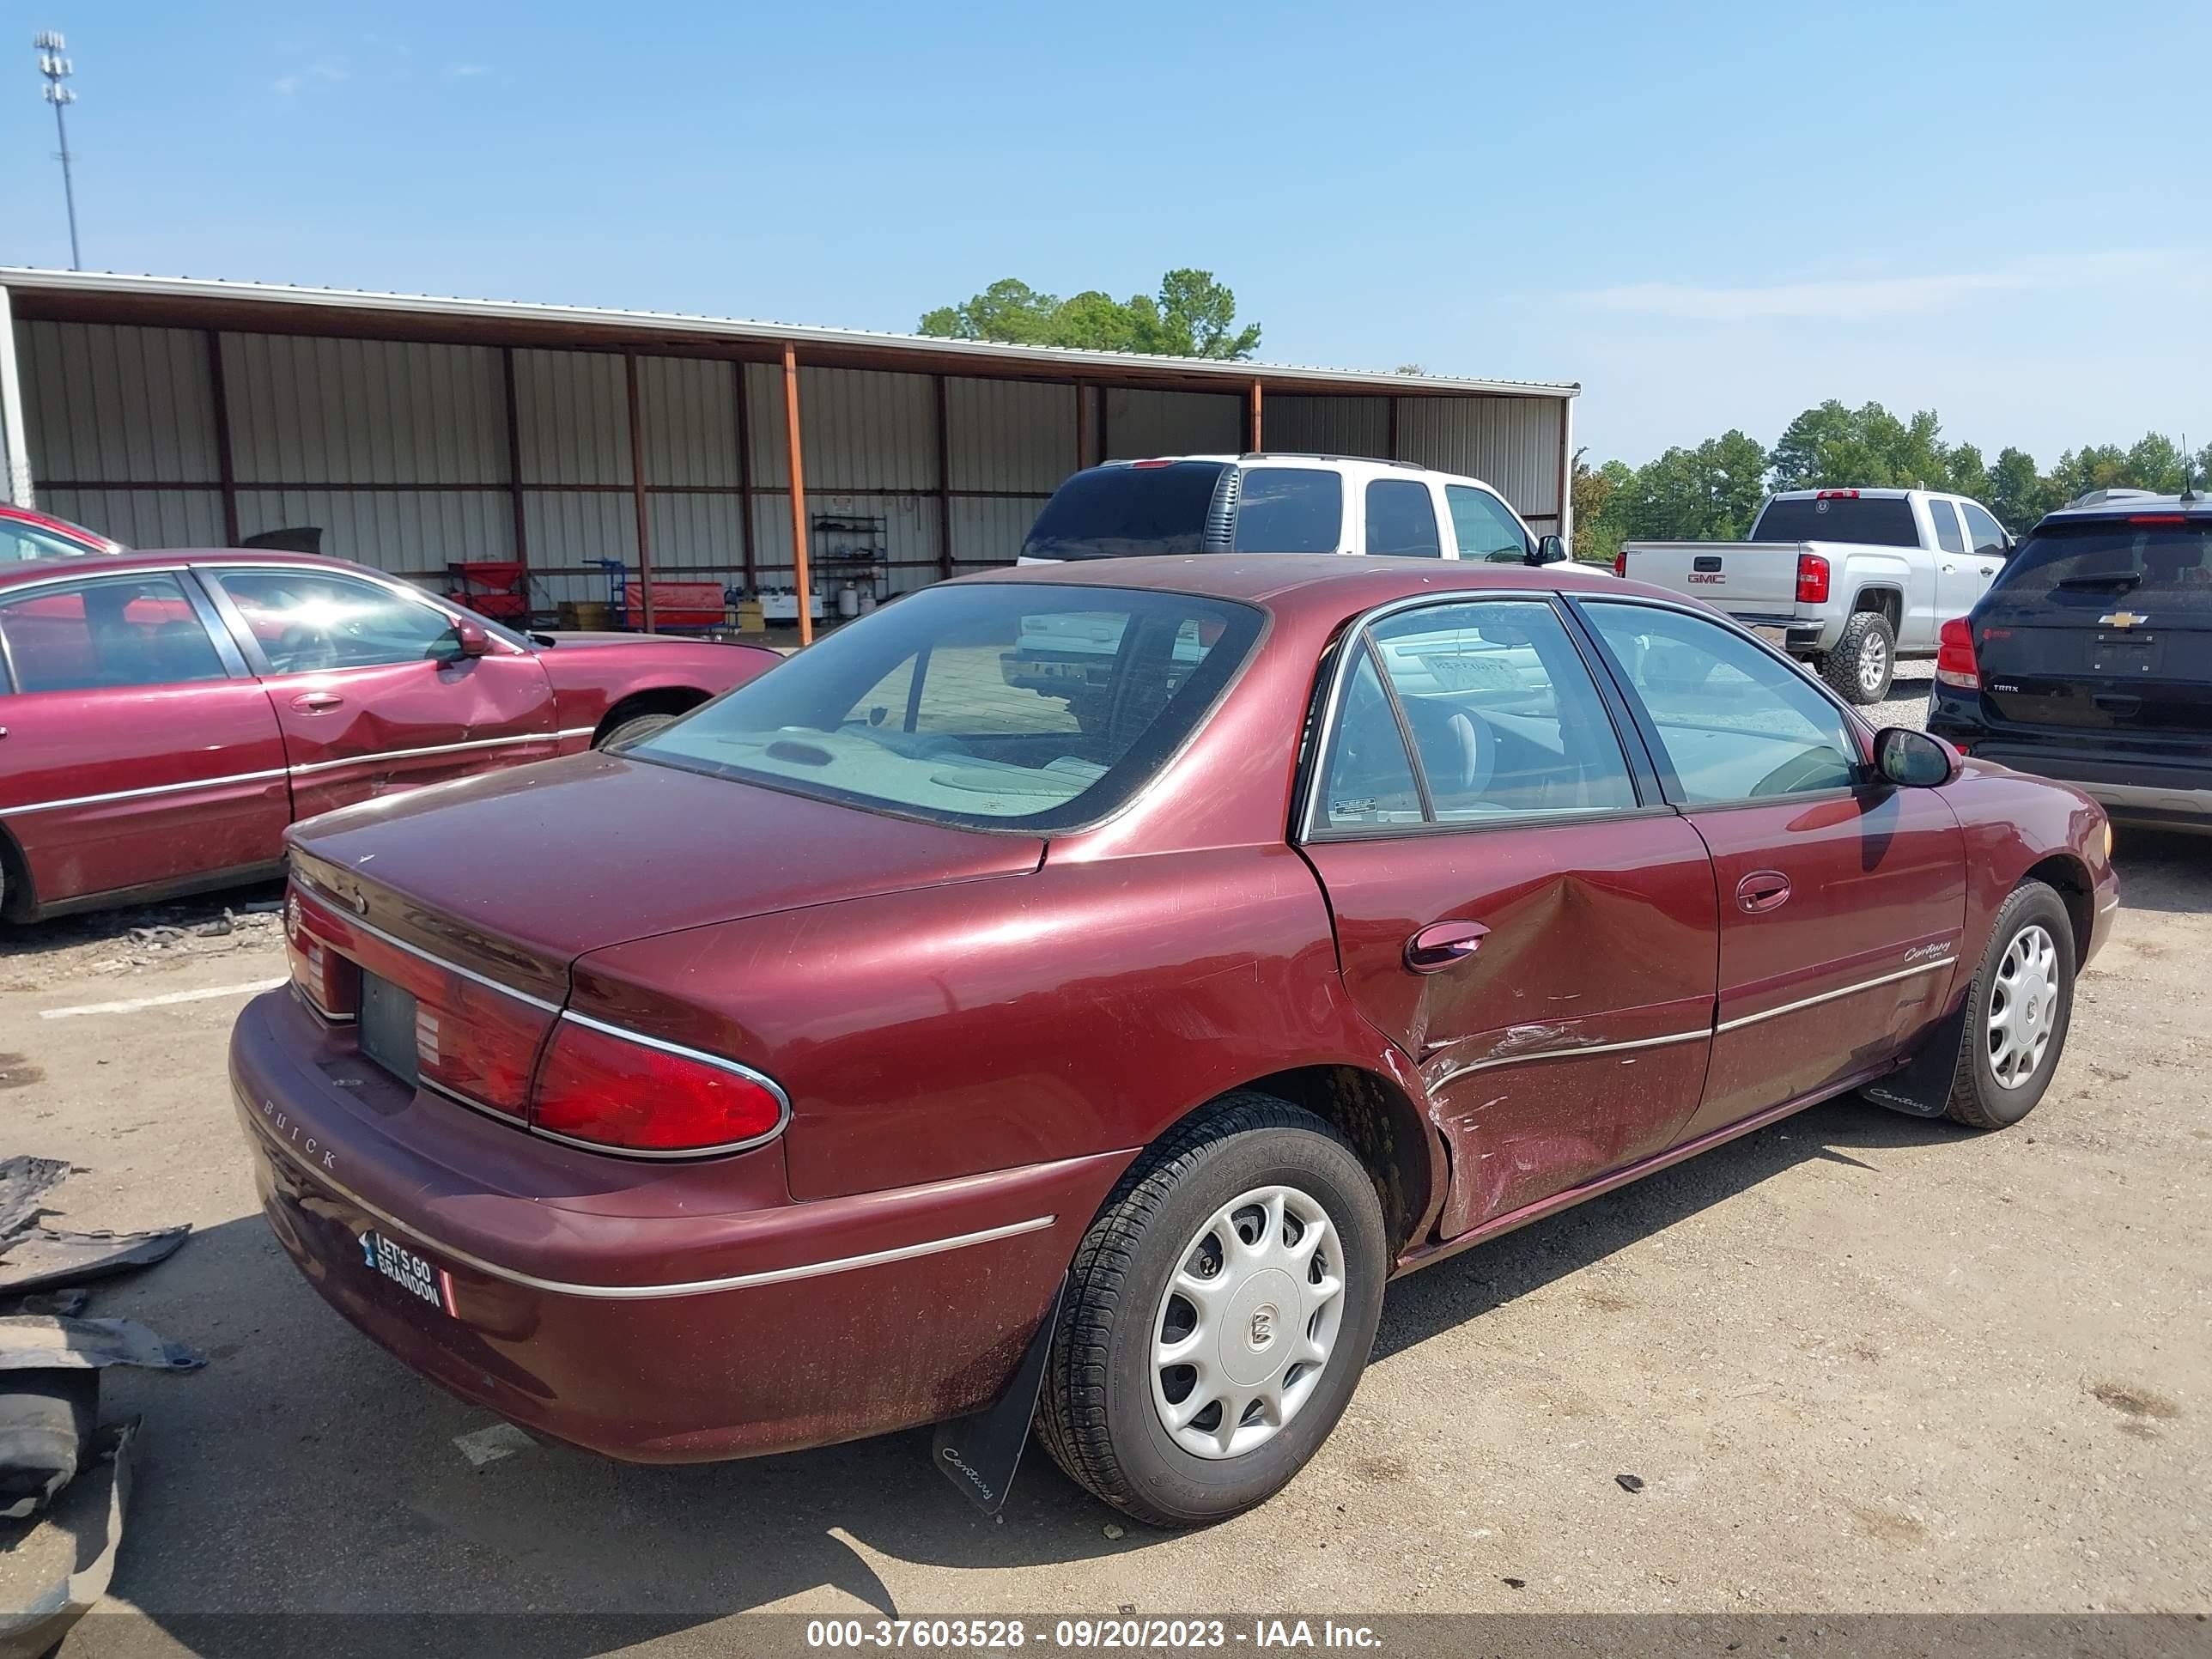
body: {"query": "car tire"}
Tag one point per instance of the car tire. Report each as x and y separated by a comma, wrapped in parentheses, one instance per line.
(638, 725)
(1864, 661)
(1104, 1412)
(2014, 1002)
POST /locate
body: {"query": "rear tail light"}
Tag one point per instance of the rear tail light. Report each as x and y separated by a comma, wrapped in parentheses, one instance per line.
(328, 982)
(1955, 656)
(1812, 578)
(1621, 563)
(1835, 495)
(605, 1087)
(477, 1044)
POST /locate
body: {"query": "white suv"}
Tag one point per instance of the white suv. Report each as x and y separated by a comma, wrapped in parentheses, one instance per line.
(1280, 503)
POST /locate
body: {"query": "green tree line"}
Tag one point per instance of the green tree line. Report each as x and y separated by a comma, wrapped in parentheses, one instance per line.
(1191, 316)
(1712, 492)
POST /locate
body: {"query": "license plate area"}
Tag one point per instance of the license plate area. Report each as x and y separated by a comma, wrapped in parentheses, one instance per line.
(413, 1272)
(2119, 655)
(387, 1029)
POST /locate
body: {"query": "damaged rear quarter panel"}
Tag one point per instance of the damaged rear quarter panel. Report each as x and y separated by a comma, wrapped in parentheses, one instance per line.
(953, 1030)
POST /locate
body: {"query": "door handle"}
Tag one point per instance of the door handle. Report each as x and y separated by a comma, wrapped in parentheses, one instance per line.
(1762, 890)
(314, 702)
(1441, 944)
(1950, 570)
(2117, 702)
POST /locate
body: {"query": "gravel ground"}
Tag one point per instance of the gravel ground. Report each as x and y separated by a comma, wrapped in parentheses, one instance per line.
(1860, 1362)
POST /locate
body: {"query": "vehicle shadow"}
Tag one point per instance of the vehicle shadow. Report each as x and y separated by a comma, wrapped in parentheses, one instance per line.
(198, 916)
(307, 1491)
(2162, 871)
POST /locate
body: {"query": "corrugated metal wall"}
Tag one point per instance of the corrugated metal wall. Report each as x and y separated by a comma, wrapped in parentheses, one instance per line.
(402, 453)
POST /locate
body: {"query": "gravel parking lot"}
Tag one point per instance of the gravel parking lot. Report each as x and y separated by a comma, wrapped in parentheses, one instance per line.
(1859, 1362)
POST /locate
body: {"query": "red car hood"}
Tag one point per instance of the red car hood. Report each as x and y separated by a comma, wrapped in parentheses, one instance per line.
(519, 873)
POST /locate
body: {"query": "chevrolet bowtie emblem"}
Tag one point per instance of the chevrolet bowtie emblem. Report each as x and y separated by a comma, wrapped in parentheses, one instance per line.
(2123, 619)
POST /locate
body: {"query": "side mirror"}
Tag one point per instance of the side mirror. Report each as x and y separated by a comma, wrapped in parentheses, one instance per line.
(468, 639)
(1550, 549)
(1913, 760)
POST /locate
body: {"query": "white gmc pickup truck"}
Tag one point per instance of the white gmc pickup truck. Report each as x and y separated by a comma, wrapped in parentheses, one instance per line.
(1846, 579)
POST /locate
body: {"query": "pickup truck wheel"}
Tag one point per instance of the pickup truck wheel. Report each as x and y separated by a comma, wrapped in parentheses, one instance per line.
(1219, 1314)
(1864, 660)
(639, 727)
(2017, 1012)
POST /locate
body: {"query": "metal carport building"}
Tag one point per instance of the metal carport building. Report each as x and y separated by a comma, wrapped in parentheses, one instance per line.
(172, 411)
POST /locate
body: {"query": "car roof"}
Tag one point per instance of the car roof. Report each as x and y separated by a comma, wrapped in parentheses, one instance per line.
(167, 558)
(1304, 457)
(1332, 581)
(1873, 492)
(2117, 504)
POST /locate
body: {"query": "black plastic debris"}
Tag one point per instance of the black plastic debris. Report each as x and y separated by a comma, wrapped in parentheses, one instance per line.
(54, 1569)
(46, 1418)
(46, 1258)
(43, 1342)
(23, 1182)
(1630, 1482)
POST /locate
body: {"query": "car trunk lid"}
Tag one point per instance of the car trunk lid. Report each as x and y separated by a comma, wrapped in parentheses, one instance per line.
(1744, 579)
(515, 874)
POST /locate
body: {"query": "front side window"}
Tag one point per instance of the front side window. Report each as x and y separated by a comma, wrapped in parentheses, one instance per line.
(1985, 532)
(1401, 520)
(1734, 722)
(1485, 528)
(1290, 509)
(1011, 705)
(306, 620)
(1946, 520)
(119, 631)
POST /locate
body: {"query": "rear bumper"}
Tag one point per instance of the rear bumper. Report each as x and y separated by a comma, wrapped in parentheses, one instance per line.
(655, 1313)
(1793, 633)
(2134, 788)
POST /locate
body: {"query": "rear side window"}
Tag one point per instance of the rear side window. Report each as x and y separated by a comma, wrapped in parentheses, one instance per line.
(1872, 520)
(1945, 518)
(1401, 520)
(1504, 716)
(1127, 512)
(2090, 568)
(124, 631)
(1486, 530)
(1368, 780)
(1289, 509)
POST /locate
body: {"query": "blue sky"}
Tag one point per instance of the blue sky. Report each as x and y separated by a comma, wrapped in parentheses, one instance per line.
(1712, 217)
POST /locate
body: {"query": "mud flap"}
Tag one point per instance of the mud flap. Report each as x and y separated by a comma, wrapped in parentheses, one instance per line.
(979, 1453)
(1923, 1089)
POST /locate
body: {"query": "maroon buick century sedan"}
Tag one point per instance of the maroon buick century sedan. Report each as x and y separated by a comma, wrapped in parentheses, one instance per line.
(166, 715)
(883, 1043)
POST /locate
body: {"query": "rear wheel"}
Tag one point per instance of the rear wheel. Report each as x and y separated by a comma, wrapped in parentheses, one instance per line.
(1219, 1316)
(2017, 1012)
(1864, 660)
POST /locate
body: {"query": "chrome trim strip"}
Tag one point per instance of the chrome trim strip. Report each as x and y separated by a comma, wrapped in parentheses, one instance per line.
(1742, 1020)
(350, 920)
(1563, 1054)
(311, 767)
(656, 1292)
(141, 793)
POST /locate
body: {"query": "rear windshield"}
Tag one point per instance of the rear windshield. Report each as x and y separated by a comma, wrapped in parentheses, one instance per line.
(1007, 705)
(1875, 520)
(1126, 512)
(2164, 571)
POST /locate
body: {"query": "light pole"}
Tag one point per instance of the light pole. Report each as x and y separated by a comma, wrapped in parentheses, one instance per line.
(57, 70)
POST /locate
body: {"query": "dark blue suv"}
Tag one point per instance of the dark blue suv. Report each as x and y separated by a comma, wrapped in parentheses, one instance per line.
(2089, 659)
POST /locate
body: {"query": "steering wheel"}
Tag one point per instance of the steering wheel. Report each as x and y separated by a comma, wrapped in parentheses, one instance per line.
(304, 649)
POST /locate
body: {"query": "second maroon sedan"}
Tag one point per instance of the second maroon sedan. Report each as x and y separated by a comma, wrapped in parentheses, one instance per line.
(1369, 911)
(165, 716)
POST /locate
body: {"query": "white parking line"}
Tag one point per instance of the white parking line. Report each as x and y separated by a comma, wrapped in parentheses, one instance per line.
(131, 1006)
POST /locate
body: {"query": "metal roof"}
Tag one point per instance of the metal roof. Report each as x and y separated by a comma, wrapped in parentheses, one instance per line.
(216, 303)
